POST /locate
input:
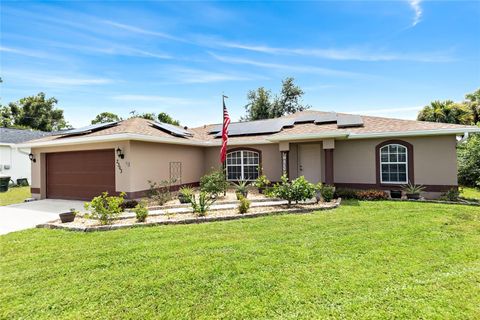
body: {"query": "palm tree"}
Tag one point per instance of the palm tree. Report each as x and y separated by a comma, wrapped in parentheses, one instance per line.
(447, 112)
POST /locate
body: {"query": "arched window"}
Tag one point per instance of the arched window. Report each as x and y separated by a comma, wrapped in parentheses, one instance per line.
(393, 164)
(242, 165)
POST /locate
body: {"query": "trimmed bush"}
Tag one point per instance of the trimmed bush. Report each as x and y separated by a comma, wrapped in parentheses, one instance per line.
(327, 192)
(104, 207)
(345, 193)
(141, 211)
(244, 205)
(372, 195)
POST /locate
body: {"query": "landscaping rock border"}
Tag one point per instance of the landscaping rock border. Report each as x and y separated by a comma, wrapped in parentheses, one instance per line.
(283, 211)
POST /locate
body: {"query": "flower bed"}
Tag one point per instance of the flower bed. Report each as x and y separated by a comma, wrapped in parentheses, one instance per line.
(87, 225)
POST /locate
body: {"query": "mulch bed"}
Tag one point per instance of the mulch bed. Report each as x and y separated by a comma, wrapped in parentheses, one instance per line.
(89, 225)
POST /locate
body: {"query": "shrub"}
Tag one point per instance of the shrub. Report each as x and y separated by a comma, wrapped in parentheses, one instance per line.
(160, 192)
(128, 204)
(185, 194)
(204, 202)
(141, 211)
(262, 182)
(327, 192)
(214, 182)
(469, 161)
(411, 188)
(372, 195)
(297, 190)
(451, 195)
(244, 205)
(241, 189)
(105, 207)
(345, 193)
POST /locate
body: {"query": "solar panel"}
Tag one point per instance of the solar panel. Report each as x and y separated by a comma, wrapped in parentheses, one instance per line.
(173, 130)
(88, 129)
(276, 125)
(350, 120)
(326, 118)
(215, 129)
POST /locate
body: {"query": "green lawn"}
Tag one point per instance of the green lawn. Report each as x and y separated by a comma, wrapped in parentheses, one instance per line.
(470, 193)
(14, 195)
(364, 260)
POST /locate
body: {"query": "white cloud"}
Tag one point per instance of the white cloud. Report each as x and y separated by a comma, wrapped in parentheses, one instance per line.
(415, 5)
(139, 30)
(341, 54)
(286, 67)
(185, 75)
(44, 79)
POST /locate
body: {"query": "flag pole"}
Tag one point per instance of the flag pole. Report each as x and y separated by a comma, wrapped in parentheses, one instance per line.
(223, 122)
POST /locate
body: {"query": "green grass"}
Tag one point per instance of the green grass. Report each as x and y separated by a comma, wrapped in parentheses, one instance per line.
(369, 260)
(470, 193)
(14, 195)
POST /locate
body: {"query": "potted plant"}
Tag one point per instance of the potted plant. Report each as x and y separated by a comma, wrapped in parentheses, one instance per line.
(241, 189)
(413, 191)
(261, 183)
(185, 194)
(68, 216)
(396, 194)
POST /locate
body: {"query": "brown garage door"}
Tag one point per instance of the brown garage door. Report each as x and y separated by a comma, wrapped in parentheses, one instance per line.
(81, 174)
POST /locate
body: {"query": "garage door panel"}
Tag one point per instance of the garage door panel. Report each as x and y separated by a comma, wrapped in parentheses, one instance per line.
(80, 174)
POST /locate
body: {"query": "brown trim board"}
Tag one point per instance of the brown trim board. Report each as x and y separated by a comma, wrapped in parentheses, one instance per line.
(35, 190)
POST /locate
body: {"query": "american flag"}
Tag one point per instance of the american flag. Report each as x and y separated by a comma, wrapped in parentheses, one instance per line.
(226, 122)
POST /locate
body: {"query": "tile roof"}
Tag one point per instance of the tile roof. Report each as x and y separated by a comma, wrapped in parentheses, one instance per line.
(11, 135)
(202, 135)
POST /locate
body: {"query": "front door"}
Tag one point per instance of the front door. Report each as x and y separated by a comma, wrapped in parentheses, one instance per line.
(309, 162)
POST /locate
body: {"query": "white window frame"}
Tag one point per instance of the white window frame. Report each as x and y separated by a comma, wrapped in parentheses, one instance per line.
(397, 162)
(242, 165)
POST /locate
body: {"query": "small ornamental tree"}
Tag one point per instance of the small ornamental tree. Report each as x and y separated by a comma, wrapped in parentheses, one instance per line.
(214, 182)
(297, 190)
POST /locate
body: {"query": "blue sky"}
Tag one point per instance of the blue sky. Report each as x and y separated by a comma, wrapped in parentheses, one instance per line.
(376, 57)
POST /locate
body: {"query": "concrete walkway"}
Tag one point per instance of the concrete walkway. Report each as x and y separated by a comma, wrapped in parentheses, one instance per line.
(27, 215)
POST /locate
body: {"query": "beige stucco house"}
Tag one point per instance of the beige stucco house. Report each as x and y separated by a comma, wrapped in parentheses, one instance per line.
(344, 150)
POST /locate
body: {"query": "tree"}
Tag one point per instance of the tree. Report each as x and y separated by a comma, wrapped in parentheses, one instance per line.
(105, 117)
(473, 101)
(166, 118)
(146, 115)
(288, 101)
(446, 112)
(468, 153)
(35, 112)
(259, 106)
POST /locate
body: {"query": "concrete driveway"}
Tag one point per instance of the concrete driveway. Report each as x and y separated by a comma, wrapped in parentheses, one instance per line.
(27, 215)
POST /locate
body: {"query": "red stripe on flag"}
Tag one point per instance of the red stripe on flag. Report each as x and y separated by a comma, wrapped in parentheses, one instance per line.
(226, 122)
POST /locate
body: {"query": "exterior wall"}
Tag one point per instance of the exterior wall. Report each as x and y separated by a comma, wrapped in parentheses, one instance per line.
(271, 159)
(38, 168)
(435, 163)
(435, 160)
(17, 162)
(151, 161)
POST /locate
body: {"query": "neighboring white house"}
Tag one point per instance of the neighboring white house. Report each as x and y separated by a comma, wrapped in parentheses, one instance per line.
(14, 161)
